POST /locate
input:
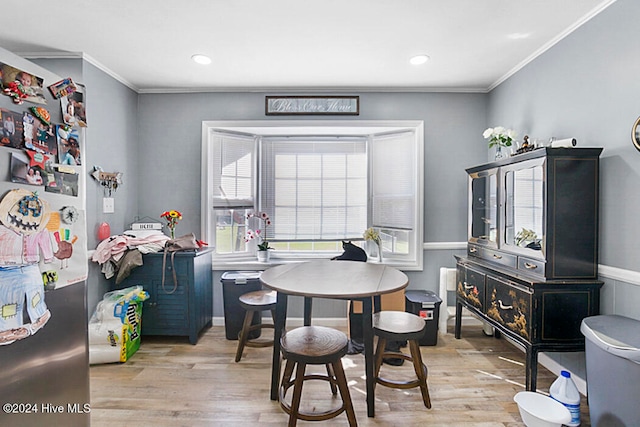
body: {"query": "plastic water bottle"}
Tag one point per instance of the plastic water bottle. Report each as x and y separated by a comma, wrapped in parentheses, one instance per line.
(564, 390)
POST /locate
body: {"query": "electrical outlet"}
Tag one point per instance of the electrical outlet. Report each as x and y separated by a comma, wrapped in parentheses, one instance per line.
(108, 205)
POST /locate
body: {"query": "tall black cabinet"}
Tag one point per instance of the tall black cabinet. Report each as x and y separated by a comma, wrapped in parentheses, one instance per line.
(531, 267)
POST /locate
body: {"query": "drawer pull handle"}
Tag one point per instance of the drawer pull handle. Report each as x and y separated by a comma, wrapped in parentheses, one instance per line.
(153, 304)
(497, 256)
(504, 307)
(468, 286)
(530, 266)
(473, 250)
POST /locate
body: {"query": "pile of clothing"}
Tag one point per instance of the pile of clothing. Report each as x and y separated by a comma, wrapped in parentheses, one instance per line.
(119, 255)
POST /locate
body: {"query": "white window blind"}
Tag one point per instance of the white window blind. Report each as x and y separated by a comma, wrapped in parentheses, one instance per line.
(394, 181)
(315, 189)
(528, 195)
(233, 164)
(319, 181)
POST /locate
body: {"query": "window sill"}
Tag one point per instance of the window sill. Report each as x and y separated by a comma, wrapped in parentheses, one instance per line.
(255, 265)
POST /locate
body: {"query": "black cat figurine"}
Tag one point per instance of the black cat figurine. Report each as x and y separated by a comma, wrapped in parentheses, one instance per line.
(352, 253)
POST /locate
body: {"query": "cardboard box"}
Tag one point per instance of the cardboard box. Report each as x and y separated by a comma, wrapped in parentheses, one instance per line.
(393, 301)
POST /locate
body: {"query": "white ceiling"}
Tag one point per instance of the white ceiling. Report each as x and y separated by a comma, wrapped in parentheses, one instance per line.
(311, 45)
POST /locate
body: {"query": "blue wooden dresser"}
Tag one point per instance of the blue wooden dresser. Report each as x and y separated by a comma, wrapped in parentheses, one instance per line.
(182, 310)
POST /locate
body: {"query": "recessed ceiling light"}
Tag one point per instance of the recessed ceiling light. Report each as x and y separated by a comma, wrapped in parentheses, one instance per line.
(201, 59)
(419, 59)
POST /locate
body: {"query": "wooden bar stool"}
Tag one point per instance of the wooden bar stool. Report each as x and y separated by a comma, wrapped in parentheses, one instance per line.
(401, 326)
(252, 302)
(314, 345)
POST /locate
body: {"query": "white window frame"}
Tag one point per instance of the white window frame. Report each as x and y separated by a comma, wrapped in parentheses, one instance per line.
(412, 261)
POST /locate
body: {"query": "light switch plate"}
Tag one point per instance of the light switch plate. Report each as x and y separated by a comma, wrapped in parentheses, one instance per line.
(108, 205)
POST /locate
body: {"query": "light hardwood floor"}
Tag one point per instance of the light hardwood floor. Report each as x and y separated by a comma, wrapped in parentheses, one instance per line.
(170, 382)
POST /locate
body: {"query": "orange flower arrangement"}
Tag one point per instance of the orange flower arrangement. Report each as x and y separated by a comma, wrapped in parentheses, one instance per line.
(172, 217)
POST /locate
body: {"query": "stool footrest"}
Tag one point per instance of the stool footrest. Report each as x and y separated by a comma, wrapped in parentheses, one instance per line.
(415, 357)
(400, 384)
(308, 416)
(258, 342)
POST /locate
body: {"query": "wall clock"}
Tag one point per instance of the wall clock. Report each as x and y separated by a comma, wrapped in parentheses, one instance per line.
(69, 214)
(635, 134)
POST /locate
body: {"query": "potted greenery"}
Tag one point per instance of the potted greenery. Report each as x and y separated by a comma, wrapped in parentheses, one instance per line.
(528, 239)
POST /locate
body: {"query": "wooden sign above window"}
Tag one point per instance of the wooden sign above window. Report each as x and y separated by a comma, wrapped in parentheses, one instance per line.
(312, 105)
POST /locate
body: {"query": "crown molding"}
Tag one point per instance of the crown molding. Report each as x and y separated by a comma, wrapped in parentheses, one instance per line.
(602, 6)
(313, 90)
(83, 56)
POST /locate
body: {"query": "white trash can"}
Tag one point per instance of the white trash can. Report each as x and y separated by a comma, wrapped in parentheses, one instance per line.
(612, 350)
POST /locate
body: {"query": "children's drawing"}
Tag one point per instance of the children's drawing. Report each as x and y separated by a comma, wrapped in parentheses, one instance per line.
(24, 239)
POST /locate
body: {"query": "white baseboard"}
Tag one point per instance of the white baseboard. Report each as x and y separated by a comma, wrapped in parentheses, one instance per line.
(574, 362)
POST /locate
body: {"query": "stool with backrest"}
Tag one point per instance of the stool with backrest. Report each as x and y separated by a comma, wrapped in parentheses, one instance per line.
(252, 302)
(314, 345)
(400, 326)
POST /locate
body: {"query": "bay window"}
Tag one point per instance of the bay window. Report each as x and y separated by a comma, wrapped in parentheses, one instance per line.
(321, 183)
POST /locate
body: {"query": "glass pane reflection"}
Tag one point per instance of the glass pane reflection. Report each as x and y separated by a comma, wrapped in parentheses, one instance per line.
(524, 215)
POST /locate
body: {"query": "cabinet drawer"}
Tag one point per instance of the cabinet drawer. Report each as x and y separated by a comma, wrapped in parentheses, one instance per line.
(530, 265)
(470, 286)
(501, 258)
(510, 305)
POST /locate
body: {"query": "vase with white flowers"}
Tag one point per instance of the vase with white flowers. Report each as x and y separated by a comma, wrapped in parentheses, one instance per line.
(499, 137)
(371, 235)
(260, 234)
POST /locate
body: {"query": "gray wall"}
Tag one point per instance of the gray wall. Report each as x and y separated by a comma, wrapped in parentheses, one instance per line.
(169, 169)
(587, 86)
(111, 143)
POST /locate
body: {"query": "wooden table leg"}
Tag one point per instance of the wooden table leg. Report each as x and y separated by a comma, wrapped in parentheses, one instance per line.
(308, 303)
(280, 324)
(531, 369)
(458, 320)
(367, 335)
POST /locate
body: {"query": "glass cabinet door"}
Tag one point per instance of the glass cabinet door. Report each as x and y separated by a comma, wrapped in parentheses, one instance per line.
(524, 218)
(483, 219)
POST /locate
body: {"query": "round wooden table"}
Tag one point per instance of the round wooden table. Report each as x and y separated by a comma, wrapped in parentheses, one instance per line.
(348, 280)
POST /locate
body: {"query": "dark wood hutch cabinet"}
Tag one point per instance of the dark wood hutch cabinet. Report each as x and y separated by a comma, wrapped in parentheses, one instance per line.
(531, 268)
